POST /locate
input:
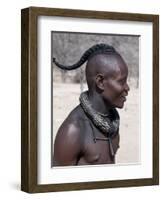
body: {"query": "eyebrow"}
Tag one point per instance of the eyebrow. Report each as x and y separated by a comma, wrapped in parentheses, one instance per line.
(122, 78)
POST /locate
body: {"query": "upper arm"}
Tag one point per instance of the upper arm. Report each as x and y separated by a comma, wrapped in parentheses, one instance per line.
(68, 144)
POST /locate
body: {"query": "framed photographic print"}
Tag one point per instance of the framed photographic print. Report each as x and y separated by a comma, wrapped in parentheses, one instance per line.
(90, 99)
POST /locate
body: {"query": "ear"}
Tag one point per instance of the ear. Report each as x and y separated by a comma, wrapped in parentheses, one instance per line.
(100, 81)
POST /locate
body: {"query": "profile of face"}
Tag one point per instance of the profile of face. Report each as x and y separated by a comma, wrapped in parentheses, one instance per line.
(114, 83)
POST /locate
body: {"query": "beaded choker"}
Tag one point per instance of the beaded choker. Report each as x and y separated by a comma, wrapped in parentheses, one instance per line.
(108, 124)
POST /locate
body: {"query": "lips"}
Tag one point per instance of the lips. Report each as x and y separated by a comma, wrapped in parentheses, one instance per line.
(123, 97)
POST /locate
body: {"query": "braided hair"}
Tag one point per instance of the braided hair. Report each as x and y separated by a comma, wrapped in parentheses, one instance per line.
(94, 50)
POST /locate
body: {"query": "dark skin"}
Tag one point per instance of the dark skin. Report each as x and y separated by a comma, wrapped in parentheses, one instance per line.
(107, 82)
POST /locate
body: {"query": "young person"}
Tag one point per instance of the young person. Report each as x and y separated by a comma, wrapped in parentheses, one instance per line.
(90, 133)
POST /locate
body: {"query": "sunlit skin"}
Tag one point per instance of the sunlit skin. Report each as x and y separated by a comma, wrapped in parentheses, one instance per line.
(107, 82)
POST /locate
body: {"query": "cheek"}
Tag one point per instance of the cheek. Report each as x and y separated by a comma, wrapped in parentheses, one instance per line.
(114, 90)
(118, 90)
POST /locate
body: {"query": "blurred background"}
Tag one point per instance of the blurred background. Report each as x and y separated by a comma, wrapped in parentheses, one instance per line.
(68, 48)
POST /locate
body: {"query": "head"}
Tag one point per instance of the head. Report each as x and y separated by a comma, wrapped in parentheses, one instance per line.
(106, 75)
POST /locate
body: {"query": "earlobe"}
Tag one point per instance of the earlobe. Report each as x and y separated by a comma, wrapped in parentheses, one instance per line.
(100, 81)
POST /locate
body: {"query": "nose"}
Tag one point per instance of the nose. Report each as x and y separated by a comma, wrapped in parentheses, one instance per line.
(127, 88)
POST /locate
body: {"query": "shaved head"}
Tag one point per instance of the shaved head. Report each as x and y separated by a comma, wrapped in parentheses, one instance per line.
(105, 64)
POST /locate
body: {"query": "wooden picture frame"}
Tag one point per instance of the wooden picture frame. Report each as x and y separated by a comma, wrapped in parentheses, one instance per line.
(29, 97)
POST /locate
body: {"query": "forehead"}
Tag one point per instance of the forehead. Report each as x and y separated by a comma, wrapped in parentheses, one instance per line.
(123, 69)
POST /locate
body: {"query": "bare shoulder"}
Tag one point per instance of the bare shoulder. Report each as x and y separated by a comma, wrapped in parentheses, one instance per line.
(73, 124)
(69, 139)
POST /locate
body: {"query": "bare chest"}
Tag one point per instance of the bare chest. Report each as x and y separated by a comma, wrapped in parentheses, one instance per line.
(98, 151)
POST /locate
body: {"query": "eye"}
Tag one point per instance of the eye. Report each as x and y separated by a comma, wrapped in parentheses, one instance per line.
(122, 81)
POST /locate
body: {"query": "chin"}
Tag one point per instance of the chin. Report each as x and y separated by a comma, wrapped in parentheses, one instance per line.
(120, 106)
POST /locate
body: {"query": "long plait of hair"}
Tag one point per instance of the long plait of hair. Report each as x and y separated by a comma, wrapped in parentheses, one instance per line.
(96, 49)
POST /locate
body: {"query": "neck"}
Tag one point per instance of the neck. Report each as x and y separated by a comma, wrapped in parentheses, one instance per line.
(98, 103)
